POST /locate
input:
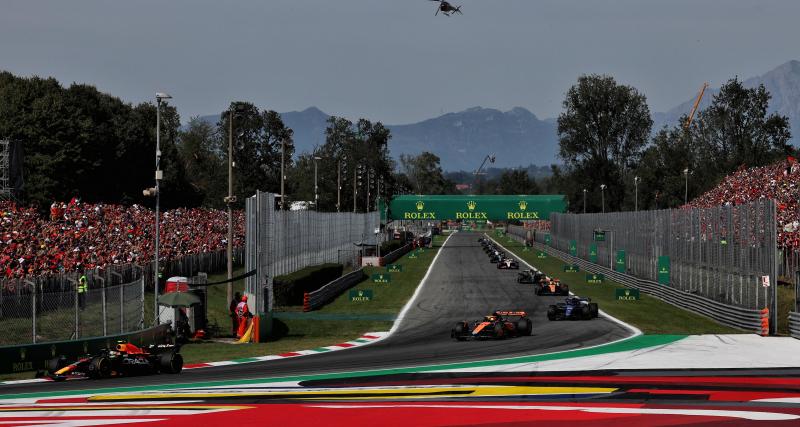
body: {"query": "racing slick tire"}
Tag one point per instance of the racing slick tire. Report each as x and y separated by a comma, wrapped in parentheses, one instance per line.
(594, 309)
(498, 331)
(100, 367)
(586, 312)
(56, 363)
(565, 290)
(524, 326)
(170, 362)
(460, 331)
(551, 313)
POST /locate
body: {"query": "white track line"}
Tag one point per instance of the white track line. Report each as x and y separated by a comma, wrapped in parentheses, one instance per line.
(636, 332)
(422, 282)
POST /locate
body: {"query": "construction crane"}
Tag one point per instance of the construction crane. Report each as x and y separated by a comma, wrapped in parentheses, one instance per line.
(490, 158)
(696, 104)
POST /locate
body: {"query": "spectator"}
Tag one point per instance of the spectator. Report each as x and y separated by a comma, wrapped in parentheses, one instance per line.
(779, 181)
(81, 236)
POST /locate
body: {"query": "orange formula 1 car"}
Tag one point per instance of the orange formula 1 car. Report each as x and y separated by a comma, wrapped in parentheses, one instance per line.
(500, 324)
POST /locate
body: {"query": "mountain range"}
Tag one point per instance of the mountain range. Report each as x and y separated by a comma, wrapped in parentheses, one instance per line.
(517, 137)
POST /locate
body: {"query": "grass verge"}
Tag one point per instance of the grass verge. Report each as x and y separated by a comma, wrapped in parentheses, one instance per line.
(387, 298)
(649, 314)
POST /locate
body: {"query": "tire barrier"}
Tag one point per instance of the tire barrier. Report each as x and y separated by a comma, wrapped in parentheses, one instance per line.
(737, 317)
(794, 324)
(396, 254)
(327, 293)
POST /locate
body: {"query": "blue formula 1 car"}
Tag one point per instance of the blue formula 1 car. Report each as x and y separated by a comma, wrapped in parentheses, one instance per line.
(573, 308)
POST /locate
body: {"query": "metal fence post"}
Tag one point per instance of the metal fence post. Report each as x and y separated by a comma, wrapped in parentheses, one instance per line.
(33, 309)
(122, 308)
(71, 281)
(103, 303)
(141, 299)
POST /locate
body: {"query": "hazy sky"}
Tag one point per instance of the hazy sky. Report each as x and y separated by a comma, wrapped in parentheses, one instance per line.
(393, 60)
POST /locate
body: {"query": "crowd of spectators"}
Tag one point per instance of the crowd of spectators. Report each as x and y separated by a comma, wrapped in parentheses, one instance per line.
(779, 181)
(77, 236)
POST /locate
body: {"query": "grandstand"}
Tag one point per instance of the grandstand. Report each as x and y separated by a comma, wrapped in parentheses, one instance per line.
(77, 236)
(779, 181)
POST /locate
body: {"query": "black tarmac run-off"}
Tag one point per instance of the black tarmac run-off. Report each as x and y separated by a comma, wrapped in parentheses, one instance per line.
(463, 285)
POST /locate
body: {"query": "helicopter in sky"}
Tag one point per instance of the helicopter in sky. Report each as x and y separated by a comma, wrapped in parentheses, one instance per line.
(446, 8)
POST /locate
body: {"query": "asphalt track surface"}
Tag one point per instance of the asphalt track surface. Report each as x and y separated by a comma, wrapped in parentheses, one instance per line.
(463, 285)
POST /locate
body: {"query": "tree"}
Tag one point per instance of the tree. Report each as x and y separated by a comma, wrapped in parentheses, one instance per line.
(198, 149)
(81, 142)
(425, 175)
(358, 154)
(602, 131)
(735, 129)
(257, 139)
(516, 181)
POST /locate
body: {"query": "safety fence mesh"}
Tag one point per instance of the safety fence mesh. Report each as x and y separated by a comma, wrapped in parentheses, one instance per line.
(280, 242)
(720, 253)
(37, 314)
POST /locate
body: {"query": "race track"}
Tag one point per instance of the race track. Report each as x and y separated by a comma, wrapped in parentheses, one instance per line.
(463, 284)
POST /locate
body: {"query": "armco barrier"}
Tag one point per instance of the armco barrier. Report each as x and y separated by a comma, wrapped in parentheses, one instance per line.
(794, 324)
(32, 357)
(325, 294)
(396, 254)
(737, 317)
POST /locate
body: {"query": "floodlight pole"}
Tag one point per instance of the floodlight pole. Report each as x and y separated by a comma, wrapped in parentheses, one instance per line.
(159, 174)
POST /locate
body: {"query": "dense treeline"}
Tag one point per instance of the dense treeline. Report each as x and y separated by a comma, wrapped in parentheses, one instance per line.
(604, 139)
(81, 142)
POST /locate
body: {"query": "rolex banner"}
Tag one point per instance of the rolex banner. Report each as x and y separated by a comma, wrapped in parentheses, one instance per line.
(663, 270)
(475, 207)
(620, 265)
(593, 253)
(573, 247)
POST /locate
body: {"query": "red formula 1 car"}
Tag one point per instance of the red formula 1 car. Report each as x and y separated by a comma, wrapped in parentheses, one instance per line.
(500, 324)
(125, 359)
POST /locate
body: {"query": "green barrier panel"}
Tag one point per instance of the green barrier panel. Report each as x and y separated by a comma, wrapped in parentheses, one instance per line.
(626, 294)
(664, 270)
(620, 266)
(360, 295)
(573, 247)
(595, 279)
(593, 253)
(381, 278)
(394, 268)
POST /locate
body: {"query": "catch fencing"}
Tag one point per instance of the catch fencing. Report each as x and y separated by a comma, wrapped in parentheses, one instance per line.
(280, 242)
(48, 308)
(719, 253)
(36, 314)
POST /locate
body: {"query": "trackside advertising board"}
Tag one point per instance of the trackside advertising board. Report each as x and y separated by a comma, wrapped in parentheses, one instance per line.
(475, 207)
(360, 295)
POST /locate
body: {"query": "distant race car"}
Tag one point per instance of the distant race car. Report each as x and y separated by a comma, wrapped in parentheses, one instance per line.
(508, 264)
(500, 324)
(530, 276)
(497, 257)
(125, 359)
(573, 308)
(551, 286)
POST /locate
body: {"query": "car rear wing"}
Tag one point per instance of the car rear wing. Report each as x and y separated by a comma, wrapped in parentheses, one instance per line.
(512, 313)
